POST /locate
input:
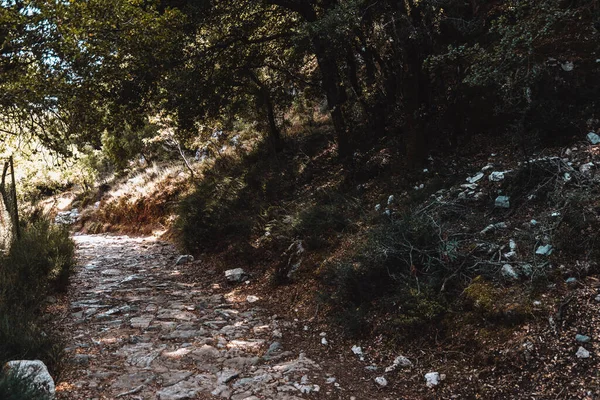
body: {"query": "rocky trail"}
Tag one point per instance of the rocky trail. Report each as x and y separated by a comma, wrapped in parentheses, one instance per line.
(138, 330)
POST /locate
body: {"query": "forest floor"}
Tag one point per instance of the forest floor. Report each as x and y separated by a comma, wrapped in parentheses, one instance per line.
(139, 326)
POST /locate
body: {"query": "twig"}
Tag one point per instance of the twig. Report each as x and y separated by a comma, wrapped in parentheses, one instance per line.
(132, 391)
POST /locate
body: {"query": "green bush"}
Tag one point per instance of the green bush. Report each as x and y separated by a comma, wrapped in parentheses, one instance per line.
(214, 214)
(14, 388)
(42, 259)
(400, 266)
(22, 337)
(39, 263)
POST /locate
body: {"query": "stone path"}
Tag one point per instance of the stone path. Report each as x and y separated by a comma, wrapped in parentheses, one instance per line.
(138, 331)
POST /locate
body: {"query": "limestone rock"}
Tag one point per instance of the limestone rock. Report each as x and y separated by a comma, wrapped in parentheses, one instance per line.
(184, 259)
(593, 138)
(432, 379)
(502, 202)
(381, 381)
(34, 371)
(582, 353)
(236, 275)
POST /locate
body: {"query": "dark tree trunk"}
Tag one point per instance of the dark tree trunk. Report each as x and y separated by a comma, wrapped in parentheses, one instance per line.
(335, 93)
(266, 101)
(331, 81)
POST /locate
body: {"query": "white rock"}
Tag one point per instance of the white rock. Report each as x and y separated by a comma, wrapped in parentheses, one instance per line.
(493, 227)
(35, 372)
(358, 351)
(400, 361)
(324, 341)
(496, 176)
(567, 66)
(509, 272)
(476, 178)
(432, 379)
(593, 138)
(470, 186)
(252, 299)
(377, 207)
(586, 168)
(381, 381)
(390, 199)
(184, 259)
(502, 202)
(582, 353)
(235, 275)
(545, 250)
(567, 177)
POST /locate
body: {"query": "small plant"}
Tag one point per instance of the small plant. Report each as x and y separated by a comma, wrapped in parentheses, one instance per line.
(38, 263)
(213, 214)
(13, 387)
(401, 265)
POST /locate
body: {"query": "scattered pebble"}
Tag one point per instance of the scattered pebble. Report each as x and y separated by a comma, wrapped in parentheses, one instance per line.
(381, 381)
(545, 250)
(582, 353)
(582, 338)
(593, 138)
(400, 361)
(502, 202)
(432, 379)
(509, 272)
(476, 178)
(358, 351)
(496, 176)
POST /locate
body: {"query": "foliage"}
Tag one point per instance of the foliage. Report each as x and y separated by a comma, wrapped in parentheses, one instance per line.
(12, 387)
(400, 266)
(43, 257)
(213, 214)
(37, 264)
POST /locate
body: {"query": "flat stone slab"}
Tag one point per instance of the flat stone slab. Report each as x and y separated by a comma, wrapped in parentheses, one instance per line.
(141, 322)
(152, 337)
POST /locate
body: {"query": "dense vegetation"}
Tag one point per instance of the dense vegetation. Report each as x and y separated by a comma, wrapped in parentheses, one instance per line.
(424, 72)
(36, 265)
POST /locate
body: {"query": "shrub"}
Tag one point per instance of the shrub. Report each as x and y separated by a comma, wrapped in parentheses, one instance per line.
(12, 387)
(215, 213)
(43, 256)
(37, 264)
(400, 266)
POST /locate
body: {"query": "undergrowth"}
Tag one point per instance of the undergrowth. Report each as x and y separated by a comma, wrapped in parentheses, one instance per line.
(37, 264)
(13, 387)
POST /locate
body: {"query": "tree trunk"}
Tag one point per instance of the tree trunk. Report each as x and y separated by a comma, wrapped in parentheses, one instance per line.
(267, 102)
(336, 95)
